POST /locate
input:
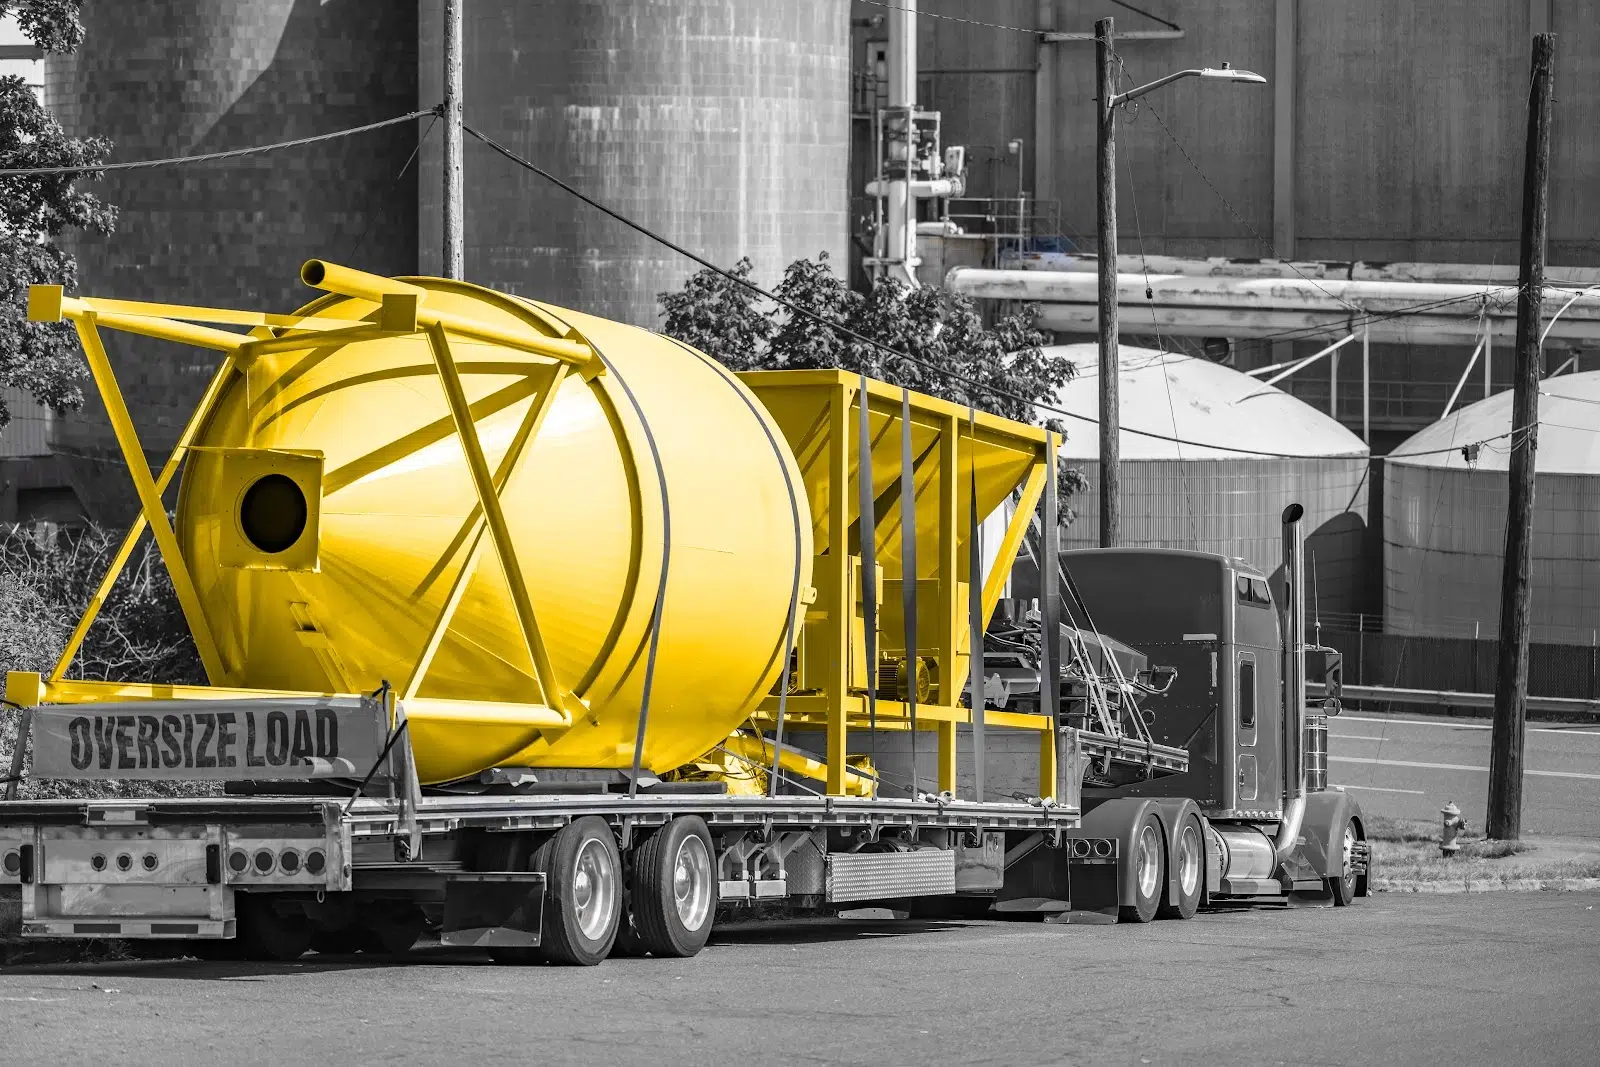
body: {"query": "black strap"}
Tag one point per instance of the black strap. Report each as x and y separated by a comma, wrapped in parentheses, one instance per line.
(975, 606)
(908, 571)
(867, 526)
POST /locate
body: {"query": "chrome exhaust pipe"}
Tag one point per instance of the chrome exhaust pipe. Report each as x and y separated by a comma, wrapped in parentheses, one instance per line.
(1294, 682)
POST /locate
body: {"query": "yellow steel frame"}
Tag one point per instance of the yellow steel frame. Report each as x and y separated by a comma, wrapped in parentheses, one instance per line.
(837, 709)
(401, 310)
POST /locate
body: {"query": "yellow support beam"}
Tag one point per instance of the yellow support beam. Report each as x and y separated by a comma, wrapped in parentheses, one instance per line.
(499, 532)
(1012, 541)
(836, 573)
(475, 526)
(154, 511)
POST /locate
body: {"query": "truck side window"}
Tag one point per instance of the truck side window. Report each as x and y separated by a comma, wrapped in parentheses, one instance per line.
(1247, 693)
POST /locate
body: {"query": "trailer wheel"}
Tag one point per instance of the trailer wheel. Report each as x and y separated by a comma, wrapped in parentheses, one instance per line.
(268, 932)
(1149, 861)
(1343, 887)
(675, 888)
(1189, 868)
(389, 928)
(583, 892)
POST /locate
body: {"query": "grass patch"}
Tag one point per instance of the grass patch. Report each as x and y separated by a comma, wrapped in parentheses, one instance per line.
(1407, 850)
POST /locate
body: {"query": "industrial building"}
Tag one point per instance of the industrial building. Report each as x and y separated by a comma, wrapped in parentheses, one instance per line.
(1444, 524)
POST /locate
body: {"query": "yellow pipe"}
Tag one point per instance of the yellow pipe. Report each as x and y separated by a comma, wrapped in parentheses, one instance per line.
(333, 278)
(149, 499)
(759, 750)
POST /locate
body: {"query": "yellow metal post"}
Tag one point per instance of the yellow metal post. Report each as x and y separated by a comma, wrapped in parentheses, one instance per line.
(841, 605)
(125, 552)
(149, 499)
(950, 606)
(947, 757)
(475, 525)
(1049, 771)
(450, 377)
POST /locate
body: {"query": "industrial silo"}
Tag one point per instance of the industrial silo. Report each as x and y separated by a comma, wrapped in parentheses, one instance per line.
(1444, 523)
(722, 124)
(1213, 494)
(179, 77)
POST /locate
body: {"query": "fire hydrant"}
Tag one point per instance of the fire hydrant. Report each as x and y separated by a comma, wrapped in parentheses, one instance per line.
(1453, 825)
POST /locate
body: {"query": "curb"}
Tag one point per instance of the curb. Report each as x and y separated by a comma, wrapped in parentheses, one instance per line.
(1516, 885)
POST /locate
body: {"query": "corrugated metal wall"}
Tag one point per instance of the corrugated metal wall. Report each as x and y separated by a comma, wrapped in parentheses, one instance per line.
(28, 433)
(1235, 507)
(1444, 544)
(722, 124)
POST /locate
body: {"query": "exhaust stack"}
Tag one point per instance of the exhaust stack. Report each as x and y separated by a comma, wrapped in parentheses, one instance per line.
(1294, 681)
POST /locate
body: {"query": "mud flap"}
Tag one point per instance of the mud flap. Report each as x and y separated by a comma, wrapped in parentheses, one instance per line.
(501, 910)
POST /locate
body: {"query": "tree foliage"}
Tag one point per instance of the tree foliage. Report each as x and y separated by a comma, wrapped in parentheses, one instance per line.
(1000, 368)
(35, 210)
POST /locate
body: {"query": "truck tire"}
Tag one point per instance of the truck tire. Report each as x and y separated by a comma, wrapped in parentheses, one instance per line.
(1188, 869)
(583, 892)
(389, 928)
(675, 889)
(270, 933)
(1149, 861)
(1343, 887)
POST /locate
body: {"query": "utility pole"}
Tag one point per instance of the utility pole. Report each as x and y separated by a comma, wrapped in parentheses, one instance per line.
(1106, 183)
(1511, 684)
(454, 214)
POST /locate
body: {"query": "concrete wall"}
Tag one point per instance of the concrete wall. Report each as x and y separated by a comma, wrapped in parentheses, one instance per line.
(172, 77)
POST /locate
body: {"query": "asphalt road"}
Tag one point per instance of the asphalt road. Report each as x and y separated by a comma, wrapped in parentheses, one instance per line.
(1410, 766)
(1489, 978)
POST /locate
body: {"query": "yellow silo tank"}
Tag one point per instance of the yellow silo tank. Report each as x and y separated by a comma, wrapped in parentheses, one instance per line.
(367, 425)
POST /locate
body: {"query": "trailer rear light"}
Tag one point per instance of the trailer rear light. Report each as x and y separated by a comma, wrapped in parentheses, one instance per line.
(150, 861)
(98, 861)
(1081, 847)
(265, 861)
(316, 862)
(1103, 847)
(289, 861)
(124, 862)
(238, 861)
(11, 863)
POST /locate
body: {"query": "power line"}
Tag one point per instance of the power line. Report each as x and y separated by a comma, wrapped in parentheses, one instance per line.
(953, 18)
(1146, 14)
(205, 157)
(846, 331)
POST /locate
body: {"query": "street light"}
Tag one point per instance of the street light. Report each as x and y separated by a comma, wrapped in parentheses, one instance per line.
(1110, 416)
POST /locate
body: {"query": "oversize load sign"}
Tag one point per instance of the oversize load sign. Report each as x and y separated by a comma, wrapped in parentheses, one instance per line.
(211, 740)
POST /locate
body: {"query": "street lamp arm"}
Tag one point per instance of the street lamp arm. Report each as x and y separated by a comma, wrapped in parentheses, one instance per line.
(1222, 73)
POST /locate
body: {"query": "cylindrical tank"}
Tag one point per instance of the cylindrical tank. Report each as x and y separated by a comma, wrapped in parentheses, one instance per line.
(1216, 499)
(176, 77)
(1444, 519)
(584, 510)
(722, 124)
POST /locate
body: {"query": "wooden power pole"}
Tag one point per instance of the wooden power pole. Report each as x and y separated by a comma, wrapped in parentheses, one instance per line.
(1511, 683)
(454, 212)
(1106, 183)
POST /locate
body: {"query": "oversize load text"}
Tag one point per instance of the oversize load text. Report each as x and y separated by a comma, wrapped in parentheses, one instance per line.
(202, 740)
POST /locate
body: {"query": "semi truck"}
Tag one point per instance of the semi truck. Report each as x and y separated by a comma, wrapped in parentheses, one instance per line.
(553, 635)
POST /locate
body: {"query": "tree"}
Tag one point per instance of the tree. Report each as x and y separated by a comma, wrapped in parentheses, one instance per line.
(1000, 369)
(41, 358)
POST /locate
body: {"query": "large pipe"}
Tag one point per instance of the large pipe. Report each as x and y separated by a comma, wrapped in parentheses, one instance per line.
(1320, 269)
(1196, 305)
(899, 211)
(1294, 682)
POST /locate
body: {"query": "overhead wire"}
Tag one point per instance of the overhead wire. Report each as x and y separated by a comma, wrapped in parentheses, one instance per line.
(843, 330)
(207, 157)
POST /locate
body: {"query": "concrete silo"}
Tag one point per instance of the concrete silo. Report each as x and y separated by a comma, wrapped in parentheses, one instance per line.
(1210, 496)
(722, 124)
(177, 77)
(1445, 519)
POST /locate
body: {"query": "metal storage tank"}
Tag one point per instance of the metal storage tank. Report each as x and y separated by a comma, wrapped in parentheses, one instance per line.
(176, 77)
(1445, 519)
(722, 124)
(1216, 499)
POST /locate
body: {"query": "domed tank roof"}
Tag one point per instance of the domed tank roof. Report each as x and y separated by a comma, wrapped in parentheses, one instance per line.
(1175, 395)
(1569, 417)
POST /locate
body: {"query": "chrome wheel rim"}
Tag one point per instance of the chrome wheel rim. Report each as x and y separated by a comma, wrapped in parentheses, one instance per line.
(594, 889)
(691, 882)
(1347, 872)
(1149, 867)
(1189, 860)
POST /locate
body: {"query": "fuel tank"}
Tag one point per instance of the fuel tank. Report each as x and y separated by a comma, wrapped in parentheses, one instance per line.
(662, 453)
